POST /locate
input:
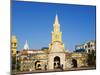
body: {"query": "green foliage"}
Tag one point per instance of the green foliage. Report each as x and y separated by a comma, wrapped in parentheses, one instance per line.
(43, 48)
(92, 59)
(13, 62)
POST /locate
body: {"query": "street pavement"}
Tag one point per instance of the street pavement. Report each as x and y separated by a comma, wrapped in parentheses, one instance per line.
(56, 70)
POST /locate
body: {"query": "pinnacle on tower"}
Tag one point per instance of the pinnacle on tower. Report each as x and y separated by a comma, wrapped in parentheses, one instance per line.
(56, 20)
(26, 47)
(56, 24)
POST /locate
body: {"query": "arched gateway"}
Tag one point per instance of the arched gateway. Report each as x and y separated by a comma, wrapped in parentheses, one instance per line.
(56, 62)
(37, 65)
(74, 63)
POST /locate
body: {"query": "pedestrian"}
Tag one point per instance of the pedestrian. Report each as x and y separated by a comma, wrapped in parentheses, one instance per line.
(45, 67)
(61, 66)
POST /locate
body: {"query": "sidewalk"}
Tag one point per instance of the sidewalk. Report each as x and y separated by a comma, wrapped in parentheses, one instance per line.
(57, 70)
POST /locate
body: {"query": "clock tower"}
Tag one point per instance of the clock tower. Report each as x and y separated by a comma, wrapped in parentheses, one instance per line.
(56, 56)
(56, 44)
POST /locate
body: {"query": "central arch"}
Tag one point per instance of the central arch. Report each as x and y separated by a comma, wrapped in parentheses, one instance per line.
(56, 62)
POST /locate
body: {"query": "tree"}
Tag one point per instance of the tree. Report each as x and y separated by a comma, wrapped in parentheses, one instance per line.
(13, 62)
(43, 48)
(92, 58)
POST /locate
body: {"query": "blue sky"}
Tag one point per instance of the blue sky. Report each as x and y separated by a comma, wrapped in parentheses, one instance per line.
(33, 21)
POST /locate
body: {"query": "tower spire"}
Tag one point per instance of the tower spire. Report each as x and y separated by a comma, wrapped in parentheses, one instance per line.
(56, 24)
(26, 47)
(56, 34)
(56, 20)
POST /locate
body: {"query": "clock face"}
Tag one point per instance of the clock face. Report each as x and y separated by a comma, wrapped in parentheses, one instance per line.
(57, 47)
(57, 37)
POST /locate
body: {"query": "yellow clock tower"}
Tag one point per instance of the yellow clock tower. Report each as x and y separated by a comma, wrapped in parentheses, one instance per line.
(56, 56)
(56, 38)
